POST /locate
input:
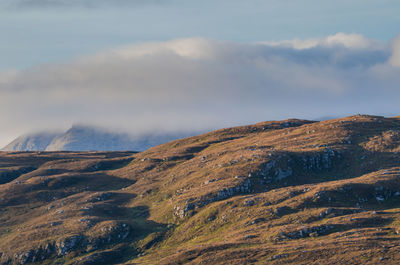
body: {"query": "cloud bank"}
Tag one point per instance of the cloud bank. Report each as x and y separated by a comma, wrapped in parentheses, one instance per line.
(78, 3)
(199, 84)
(395, 59)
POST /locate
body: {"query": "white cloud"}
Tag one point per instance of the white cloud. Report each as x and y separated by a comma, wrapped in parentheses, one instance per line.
(194, 48)
(395, 59)
(199, 84)
(349, 41)
(7, 77)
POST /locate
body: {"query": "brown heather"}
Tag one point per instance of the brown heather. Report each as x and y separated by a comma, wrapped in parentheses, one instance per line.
(280, 192)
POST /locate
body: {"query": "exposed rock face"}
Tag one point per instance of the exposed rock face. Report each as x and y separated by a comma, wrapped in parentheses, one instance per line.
(306, 232)
(279, 168)
(321, 161)
(83, 244)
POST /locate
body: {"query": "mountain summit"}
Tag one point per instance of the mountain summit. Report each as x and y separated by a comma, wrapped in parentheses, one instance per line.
(31, 142)
(88, 138)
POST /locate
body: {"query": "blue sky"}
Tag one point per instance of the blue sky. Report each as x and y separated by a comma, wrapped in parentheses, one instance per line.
(175, 65)
(42, 31)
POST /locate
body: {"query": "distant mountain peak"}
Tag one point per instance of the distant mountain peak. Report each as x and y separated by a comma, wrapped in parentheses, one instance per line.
(81, 137)
(31, 142)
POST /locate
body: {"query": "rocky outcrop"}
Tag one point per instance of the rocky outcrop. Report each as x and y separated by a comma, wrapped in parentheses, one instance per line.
(320, 161)
(284, 165)
(80, 243)
(189, 207)
(278, 168)
(306, 232)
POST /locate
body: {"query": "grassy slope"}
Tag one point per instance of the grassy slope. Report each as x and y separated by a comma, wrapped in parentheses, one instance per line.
(274, 192)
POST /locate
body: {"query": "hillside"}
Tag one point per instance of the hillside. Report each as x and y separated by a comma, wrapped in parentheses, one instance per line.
(88, 138)
(278, 192)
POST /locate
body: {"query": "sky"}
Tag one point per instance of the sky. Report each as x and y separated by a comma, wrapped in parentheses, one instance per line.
(175, 65)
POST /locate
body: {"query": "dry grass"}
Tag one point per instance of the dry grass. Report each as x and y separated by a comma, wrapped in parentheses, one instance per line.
(275, 192)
